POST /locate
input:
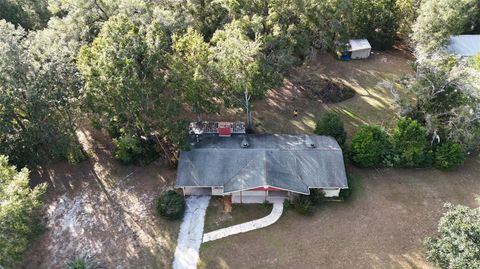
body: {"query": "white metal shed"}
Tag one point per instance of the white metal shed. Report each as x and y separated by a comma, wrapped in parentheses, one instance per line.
(464, 45)
(360, 48)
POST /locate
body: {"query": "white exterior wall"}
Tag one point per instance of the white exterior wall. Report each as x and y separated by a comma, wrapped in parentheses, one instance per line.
(361, 54)
(217, 190)
(331, 192)
(248, 197)
(197, 191)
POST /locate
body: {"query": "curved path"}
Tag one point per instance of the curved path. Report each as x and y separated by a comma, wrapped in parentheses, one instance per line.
(191, 231)
(247, 226)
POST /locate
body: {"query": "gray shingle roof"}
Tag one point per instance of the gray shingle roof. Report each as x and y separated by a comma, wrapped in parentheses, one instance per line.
(282, 161)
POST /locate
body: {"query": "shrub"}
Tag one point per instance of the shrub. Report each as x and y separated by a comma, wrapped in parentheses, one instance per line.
(345, 194)
(316, 196)
(171, 205)
(449, 156)
(83, 262)
(410, 144)
(303, 204)
(76, 155)
(127, 149)
(287, 204)
(331, 125)
(369, 145)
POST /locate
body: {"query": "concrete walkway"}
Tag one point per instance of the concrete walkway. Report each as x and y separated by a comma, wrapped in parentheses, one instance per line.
(191, 231)
(247, 226)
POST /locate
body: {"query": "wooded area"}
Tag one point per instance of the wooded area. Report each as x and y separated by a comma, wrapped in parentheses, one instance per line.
(134, 67)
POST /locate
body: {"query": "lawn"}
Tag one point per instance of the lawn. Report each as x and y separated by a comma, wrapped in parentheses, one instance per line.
(216, 218)
(372, 79)
(391, 211)
(382, 226)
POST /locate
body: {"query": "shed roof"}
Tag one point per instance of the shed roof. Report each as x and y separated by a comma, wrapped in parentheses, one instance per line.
(282, 161)
(359, 44)
(464, 45)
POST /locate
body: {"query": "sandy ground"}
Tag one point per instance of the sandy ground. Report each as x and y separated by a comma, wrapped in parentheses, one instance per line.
(383, 226)
(101, 208)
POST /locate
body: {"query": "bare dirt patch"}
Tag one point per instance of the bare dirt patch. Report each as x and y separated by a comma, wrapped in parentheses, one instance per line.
(323, 90)
(105, 209)
(382, 226)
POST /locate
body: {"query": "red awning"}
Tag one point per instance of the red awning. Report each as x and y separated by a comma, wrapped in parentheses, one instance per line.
(224, 132)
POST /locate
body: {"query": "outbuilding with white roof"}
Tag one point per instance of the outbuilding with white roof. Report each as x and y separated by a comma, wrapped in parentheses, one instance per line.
(464, 45)
(360, 48)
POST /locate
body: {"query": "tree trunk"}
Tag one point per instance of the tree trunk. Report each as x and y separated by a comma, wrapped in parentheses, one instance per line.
(247, 97)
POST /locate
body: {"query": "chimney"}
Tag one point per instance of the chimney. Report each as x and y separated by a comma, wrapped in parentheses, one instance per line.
(245, 143)
(309, 142)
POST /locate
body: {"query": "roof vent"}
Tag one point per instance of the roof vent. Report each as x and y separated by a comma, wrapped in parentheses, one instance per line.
(245, 143)
(309, 142)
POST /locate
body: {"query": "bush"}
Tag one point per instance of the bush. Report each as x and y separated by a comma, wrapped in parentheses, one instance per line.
(127, 149)
(83, 262)
(171, 205)
(369, 145)
(303, 204)
(410, 144)
(76, 155)
(316, 196)
(449, 156)
(331, 125)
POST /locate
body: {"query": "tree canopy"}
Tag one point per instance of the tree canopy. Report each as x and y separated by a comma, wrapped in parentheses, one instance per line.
(457, 244)
(18, 211)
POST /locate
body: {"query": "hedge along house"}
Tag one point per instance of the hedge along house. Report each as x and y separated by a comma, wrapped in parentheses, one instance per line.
(258, 168)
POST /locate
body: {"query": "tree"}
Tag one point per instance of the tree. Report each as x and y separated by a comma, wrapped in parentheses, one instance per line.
(29, 14)
(191, 72)
(457, 244)
(236, 59)
(375, 20)
(18, 211)
(476, 61)
(124, 73)
(438, 20)
(369, 145)
(447, 94)
(331, 125)
(40, 91)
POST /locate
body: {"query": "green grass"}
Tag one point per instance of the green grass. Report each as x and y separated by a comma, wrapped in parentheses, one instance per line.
(355, 185)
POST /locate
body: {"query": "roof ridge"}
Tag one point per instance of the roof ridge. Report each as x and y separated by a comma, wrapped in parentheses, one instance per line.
(239, 171)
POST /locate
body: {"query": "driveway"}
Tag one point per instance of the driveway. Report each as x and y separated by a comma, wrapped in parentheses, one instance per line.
(191, 232)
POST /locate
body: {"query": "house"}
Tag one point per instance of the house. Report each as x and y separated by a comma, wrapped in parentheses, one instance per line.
(359, 48)
(464, 45)
(264, 167)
